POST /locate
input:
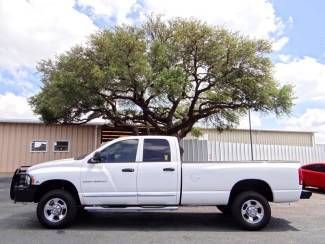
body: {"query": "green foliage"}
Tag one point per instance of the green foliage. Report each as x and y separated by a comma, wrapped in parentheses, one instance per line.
(196, 132)
(165, 74)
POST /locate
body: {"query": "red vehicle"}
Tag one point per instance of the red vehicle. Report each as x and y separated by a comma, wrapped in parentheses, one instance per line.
(313, 175)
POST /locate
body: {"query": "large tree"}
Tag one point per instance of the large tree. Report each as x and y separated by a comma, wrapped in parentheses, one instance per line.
(166, 75)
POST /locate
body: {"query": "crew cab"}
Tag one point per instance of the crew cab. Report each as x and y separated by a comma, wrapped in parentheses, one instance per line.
(145, 173)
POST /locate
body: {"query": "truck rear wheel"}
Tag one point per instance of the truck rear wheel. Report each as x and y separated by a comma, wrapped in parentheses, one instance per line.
(56, 209)
(251, 210)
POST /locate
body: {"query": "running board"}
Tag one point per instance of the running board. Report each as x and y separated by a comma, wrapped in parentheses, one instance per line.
(129, 209)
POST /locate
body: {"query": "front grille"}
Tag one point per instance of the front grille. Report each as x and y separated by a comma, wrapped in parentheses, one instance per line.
(21, 180)
(18, 180)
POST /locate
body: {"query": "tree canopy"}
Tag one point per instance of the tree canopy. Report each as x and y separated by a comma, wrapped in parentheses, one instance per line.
(164, 74)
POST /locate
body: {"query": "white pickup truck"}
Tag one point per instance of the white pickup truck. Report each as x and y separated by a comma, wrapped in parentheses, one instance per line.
(145, 173)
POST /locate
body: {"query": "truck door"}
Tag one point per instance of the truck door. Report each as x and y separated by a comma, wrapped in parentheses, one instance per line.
(157, 179)
(113, 179)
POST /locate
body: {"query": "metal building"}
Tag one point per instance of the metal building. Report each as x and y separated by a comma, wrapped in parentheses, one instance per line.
(30, 142)
(265, 137)
(26, 142)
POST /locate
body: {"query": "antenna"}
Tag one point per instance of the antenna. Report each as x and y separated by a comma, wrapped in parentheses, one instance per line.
(250, 133)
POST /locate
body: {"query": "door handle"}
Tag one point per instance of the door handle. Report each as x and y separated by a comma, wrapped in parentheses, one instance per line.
(128, 170)
(169, 169)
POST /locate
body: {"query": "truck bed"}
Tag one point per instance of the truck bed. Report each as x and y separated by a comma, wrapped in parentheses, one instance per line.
(211, 182)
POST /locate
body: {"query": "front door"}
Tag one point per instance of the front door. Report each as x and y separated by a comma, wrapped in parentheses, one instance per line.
(157, 174)
(112, 181)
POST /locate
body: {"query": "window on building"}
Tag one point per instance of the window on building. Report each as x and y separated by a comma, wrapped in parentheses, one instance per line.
(39, 146)
(156, 150)
(61, 146)
(122, 151)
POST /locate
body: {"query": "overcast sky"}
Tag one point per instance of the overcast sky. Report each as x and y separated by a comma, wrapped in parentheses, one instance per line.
(39, 29)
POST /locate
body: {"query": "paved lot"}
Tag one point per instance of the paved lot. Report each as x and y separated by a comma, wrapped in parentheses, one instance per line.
(301, 222)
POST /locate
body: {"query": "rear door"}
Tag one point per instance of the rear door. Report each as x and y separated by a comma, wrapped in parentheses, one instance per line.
(158, 173)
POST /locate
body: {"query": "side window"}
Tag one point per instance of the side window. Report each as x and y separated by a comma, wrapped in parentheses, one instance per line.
(61, 146)
(319, 168)
(322, 168)
(156, 150)
(315, 167)
(122, 151)
(38, 146)
(308, 167)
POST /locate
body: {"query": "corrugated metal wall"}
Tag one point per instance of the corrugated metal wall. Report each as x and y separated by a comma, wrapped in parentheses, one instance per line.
(16, 138)
(201, 150)
(258, 137)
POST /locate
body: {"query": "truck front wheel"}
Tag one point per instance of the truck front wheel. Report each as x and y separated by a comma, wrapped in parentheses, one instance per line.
(56, 209)
(251, 210)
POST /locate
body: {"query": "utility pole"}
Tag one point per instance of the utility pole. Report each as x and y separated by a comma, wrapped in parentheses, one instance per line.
(250, 132)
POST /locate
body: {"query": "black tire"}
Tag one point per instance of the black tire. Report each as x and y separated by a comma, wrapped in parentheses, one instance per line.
(66, 200)
(82, 213)
(225, 209)
(259, 207)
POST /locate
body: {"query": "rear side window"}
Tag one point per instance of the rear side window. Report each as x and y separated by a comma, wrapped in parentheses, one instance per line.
(315, 167)
(156, 150)
(319, 168)
(322, 168)
(308, 167)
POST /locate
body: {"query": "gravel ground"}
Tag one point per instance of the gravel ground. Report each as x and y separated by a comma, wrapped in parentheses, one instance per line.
(301, 222)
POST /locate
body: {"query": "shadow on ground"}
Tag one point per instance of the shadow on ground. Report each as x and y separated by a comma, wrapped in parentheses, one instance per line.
(180, 221)
(316, 190)
(24, 218)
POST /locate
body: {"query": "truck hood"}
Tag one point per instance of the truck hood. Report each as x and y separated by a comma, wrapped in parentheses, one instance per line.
(54, 164)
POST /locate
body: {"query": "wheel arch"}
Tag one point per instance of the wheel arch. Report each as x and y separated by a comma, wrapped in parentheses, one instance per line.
(54, 185)
(257, 185)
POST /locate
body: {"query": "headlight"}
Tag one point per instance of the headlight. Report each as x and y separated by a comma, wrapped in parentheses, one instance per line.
(28, 180)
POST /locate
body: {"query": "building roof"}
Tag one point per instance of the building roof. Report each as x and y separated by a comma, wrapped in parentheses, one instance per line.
(38, 121)
(265, 130)
(94, 123)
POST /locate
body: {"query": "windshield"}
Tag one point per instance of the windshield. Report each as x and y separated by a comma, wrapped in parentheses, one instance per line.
(81, 157)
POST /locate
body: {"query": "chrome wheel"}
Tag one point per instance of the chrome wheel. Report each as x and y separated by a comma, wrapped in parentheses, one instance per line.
(252, 211)
(55, 210)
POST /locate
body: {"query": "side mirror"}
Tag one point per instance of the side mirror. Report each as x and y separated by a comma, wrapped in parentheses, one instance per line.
(95, 159)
